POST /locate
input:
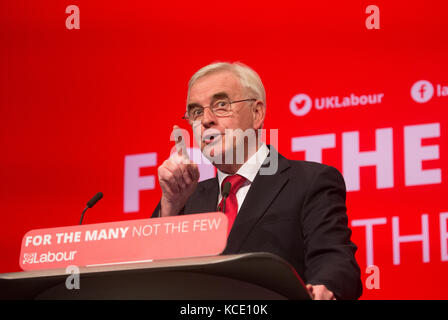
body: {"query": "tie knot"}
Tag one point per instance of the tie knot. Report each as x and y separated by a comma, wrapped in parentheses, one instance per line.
(236, 182)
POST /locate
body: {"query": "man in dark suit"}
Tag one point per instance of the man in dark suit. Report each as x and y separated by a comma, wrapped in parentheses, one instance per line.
(296, 211)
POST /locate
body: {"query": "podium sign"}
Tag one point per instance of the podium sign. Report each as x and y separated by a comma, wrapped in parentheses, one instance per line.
(121, 242)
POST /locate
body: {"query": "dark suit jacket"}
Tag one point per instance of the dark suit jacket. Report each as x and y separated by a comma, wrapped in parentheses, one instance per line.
(299, 214)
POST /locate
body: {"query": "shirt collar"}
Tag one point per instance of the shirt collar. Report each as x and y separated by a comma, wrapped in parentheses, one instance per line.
(250, 168)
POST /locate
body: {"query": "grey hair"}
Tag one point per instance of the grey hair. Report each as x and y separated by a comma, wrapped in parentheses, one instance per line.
(250, 80)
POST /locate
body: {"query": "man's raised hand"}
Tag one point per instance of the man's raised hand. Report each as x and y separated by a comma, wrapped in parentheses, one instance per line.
(178, 177)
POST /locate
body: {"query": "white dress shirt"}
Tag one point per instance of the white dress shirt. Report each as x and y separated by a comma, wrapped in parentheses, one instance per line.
(248, 170)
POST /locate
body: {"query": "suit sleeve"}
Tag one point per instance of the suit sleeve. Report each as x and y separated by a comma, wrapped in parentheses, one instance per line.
(329, 252)
(156, 212)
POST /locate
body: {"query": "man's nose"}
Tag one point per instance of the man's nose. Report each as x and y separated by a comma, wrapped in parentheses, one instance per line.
(209, 118)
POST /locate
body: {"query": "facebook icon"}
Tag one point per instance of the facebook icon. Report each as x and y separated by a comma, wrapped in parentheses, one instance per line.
(422, 91)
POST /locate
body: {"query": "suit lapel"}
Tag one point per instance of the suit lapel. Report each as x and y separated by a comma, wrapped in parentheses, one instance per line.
(263, 191)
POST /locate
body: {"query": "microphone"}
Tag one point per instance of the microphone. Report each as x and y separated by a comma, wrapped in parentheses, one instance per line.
(91, 203)
(225, 193)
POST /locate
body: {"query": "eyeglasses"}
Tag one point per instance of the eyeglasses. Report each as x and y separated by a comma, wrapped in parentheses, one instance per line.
(220, 108)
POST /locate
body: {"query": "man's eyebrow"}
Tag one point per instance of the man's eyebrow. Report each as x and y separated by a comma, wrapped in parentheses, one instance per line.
(220, 95)
(216, 96)
(193, 105)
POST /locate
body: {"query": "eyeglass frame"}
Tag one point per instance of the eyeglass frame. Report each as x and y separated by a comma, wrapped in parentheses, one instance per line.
(209, 106)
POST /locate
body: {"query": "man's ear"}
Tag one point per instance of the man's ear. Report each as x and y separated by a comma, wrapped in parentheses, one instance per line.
(259, 113)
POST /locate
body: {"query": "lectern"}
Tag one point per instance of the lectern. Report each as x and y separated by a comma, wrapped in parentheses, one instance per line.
(250, 276)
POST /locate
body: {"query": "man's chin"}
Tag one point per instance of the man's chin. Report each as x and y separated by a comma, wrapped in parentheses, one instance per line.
(212, 154)
(209, 154)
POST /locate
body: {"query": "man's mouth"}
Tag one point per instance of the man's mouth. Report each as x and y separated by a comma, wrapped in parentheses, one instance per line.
(211, 137)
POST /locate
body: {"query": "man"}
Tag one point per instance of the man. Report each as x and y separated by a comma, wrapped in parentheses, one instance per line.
(297, 212)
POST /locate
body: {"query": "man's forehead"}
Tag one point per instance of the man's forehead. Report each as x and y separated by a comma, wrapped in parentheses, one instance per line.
(215, 85)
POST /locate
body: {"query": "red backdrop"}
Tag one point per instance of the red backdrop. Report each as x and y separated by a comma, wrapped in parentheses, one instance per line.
(74, 103)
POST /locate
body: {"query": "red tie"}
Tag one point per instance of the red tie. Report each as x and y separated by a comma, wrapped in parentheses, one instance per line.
(236, 182)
